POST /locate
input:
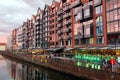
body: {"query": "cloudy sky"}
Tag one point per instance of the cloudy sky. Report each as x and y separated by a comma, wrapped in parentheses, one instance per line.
(14, 12)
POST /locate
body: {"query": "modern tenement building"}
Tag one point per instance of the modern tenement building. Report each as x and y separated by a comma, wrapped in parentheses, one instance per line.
(19, 37)
(73, 23)
(53, 24)
(45, 27)
(38, 29)
(14, 39)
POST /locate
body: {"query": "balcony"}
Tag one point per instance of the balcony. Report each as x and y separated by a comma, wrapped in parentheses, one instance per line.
(68, 22)
(60, 32)
(76, 3)
(97, 2)
(88, 13)
(68, 30)
(66, 8)
(67, 15)
(59, 18)
(59, 12)
(69, 36)
(59, 25)
(38, 17)
(90, 34)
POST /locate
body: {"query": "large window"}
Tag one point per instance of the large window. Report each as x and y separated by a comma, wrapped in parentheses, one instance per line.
(98, 9)
(87, 31)
(99, 40)
(97, 1)
(113, 27)
(87, 12)
(99, 26)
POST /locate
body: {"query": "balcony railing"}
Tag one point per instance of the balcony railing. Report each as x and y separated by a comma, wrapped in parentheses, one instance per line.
(90, 14)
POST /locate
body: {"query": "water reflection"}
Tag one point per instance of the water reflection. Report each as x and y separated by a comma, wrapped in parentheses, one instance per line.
(4, 75)
(20, 71)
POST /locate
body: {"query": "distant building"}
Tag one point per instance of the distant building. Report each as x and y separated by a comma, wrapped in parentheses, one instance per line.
(3, 46)
(14, 39)
(9, 42)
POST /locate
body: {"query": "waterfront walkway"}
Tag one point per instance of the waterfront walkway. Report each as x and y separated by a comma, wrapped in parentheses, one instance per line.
(67, 66)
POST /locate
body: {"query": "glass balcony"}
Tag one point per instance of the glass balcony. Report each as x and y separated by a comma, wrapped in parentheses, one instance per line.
(88, 13)
(88, 30)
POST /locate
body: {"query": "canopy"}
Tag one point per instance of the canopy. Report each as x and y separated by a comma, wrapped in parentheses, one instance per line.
(57, 50)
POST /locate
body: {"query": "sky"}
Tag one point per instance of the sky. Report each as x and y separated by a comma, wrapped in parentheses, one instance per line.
(14, 12)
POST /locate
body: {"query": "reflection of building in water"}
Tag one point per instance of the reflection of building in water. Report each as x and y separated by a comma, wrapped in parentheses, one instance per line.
(26, 72)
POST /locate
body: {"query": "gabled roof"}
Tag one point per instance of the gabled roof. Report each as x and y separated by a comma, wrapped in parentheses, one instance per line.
(60, 4)
(46, 6)
(39, 10)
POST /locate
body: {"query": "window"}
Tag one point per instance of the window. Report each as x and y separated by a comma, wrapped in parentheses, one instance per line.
(76, 41)
(96, 1)
(87, 12)
(87, 31)
(79, 15)
(108, 27)
(116, 26)
(115, 12)
(98, 9)
(99, 40)
(99, 26)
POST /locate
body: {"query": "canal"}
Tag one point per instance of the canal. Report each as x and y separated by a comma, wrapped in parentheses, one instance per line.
(18, 70)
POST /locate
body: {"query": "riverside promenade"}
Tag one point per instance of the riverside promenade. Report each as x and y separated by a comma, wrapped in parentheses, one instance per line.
(66, 66)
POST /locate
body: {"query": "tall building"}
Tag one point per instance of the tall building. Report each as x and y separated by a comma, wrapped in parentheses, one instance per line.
(53, 24)
(89, 27)
(31, 32)
(19, 37)
(24, 35)
(45, 27)
(9, 42)
(14, 39)
(38, 29)
(65, 24)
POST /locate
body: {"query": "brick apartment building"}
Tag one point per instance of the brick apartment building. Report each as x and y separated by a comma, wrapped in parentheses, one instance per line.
(76, 23)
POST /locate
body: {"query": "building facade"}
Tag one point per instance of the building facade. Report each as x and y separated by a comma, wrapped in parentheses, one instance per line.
(74, 23)
(45, 28)
(38, 29)
(14, 39)
(113, 22)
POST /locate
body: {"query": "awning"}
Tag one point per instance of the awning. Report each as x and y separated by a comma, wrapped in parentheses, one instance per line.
(58, 50)
(68, 49)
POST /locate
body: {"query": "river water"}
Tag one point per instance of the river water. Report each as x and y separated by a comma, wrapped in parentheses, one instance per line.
(18, 70)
